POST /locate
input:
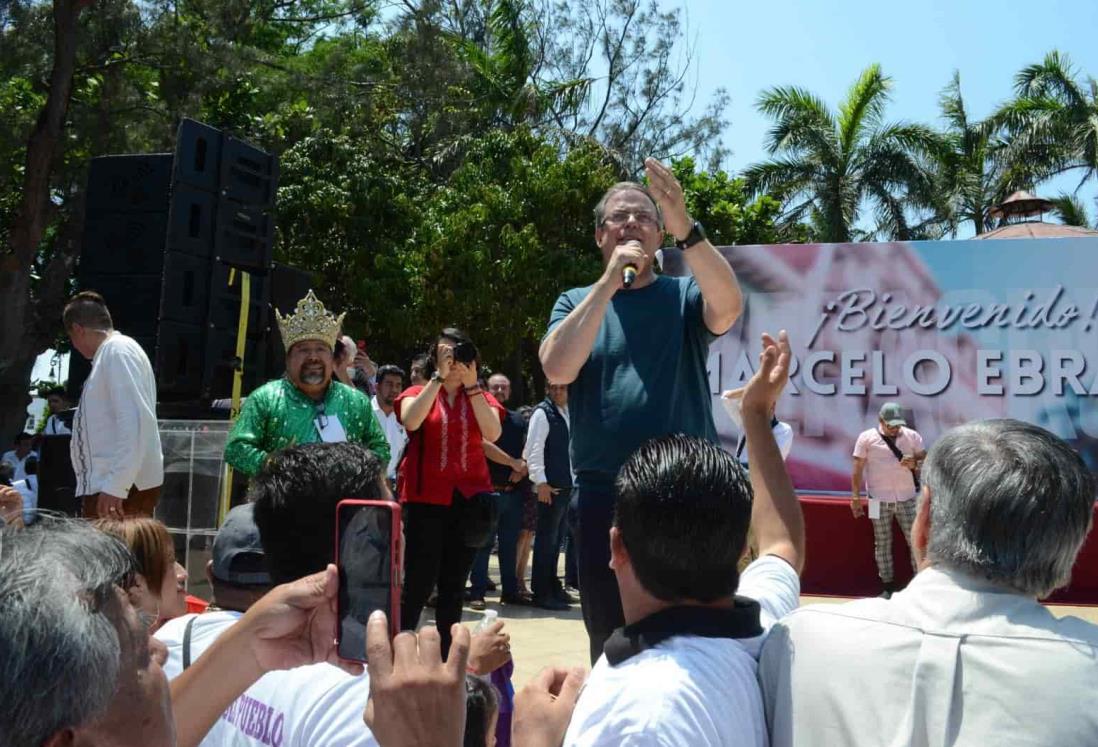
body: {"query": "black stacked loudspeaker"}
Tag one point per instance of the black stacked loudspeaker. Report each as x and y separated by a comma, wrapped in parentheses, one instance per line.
(166, 238)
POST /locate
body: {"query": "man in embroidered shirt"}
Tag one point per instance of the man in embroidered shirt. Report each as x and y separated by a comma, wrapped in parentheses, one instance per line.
(888, 457)
(115, 445)
(966, 654)
(390, 383)
(305, 406)
(683, 669)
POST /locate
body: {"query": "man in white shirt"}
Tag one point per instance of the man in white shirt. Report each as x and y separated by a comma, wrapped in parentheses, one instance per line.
(390, 383)
(966, 655)
(18, 456)
(57, 403)
(548, 459)
(80, 668)
(115, 444)
(783, 432)
(888, 457)
(683, 669)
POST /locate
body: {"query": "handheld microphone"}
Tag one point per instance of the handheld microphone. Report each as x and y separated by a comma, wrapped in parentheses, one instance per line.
(629, 272)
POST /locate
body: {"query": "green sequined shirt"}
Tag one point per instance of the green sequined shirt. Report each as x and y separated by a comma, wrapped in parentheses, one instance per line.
(277, 415)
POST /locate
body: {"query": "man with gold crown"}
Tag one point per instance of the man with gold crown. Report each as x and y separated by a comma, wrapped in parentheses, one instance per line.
(306, 405)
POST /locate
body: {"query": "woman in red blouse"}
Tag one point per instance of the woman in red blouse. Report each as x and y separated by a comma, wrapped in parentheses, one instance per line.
(442, 474)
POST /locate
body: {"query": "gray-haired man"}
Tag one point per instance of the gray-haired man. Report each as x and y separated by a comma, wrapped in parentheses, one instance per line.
(966, 655)
(78, 666)
(635, 360)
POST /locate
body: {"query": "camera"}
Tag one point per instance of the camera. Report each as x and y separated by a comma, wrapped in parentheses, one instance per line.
(465, 352)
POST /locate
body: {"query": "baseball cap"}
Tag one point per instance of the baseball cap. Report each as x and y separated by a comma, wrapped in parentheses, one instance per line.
(237, 551)
(892, 414)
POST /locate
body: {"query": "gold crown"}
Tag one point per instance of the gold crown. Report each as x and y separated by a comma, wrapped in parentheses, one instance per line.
(310, 321)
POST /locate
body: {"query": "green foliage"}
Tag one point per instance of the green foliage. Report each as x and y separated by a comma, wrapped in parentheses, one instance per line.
(1071, 211)
(723, 205)
(832, 167)
(439, 161)
(508, 233)
(1052, 122)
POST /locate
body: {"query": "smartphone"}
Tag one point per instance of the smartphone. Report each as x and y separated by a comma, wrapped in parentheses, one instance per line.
(362, 346)
(369, 557)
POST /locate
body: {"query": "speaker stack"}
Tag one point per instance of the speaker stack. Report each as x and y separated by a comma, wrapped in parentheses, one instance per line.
(166, 238)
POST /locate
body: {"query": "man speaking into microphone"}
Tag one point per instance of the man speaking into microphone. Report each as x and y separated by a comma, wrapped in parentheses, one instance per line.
(633, 348)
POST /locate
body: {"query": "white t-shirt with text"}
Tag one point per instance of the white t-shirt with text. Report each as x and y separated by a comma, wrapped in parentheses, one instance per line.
(314, 706)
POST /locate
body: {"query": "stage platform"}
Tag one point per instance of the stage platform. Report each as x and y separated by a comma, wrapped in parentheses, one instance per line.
(839, 552)
(839, 547)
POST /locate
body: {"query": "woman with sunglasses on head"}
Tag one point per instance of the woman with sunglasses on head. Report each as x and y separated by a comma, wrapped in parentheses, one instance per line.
(445, 488)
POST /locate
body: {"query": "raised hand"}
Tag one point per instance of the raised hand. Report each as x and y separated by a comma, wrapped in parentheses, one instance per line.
(416, 700)
(11, 506)
(667, 191)
(764, 388)
(544, 707)
(293, 624)
(489, 649)
(444, 359)
(467, 372)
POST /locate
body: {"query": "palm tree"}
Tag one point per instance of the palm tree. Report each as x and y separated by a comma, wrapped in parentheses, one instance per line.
(1071, 211)
(1053, 120)
(972, 167)
(830, 166)
(504, 67)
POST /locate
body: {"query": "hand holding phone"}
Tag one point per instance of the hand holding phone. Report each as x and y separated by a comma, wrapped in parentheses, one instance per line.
(368, 556)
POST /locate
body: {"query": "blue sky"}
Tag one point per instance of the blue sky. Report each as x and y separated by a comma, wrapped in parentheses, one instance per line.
(823, 46)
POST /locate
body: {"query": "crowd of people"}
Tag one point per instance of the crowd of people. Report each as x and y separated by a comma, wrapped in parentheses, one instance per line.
(687, 557)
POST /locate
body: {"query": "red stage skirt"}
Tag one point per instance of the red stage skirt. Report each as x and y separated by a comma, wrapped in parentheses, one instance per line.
(839, 550)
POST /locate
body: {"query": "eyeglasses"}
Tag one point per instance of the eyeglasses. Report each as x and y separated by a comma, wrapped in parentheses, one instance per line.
(620, 217)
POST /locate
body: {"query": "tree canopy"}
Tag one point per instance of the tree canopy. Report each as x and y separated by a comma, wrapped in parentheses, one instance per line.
(439, 161)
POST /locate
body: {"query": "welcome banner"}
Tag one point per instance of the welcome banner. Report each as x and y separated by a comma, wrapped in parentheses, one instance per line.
(952, 330)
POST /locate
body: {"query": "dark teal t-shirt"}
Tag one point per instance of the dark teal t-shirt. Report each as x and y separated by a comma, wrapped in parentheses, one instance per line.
(646, 376)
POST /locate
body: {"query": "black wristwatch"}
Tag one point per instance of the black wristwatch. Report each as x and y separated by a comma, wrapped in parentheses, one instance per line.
(696, 235)
(436, 377)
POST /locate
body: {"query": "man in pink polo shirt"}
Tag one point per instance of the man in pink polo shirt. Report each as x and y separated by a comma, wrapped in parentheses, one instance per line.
(888, 458)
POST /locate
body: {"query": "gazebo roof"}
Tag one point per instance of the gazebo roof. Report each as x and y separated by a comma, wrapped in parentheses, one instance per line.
(1036, 230)
(1022, 203)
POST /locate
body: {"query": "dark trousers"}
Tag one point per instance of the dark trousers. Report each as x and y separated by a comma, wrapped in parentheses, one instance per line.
(434, 555)
(551, 516)
(510, 523)
(598, 586)
(568, 535)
